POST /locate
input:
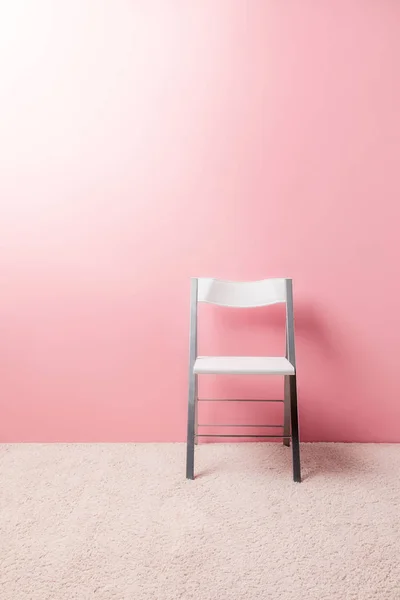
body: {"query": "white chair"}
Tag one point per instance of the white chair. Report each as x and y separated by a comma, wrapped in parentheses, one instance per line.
(244, 295)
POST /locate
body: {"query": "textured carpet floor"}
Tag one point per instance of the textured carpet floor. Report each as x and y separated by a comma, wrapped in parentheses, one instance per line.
(120, 522)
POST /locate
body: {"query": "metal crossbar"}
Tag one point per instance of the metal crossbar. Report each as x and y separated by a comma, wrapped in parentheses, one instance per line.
(232, 435)
(235, 400)
(234, 425)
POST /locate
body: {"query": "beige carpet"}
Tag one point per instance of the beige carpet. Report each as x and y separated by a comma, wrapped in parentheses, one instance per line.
(120, 522)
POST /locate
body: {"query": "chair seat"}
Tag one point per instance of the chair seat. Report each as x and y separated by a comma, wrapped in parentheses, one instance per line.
(243, 365)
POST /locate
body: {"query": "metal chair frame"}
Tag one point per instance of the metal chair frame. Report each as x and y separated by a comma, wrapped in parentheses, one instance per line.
(245, 294)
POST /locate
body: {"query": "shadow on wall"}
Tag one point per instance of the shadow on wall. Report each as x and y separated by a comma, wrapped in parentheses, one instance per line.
(333, 363)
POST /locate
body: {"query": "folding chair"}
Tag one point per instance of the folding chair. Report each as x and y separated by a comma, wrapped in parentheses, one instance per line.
(244, 295)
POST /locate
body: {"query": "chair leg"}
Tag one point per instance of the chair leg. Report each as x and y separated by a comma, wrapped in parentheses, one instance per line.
(191, 426)
(295, 429)
(286, 419)
(196, 412)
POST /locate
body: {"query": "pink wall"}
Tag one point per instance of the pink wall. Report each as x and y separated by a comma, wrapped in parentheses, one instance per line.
(145, 142)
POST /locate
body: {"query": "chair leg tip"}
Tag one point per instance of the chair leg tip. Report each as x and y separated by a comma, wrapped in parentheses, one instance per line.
(190, 474)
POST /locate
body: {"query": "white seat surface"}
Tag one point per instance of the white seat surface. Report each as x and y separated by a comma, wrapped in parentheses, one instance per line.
(242, 365)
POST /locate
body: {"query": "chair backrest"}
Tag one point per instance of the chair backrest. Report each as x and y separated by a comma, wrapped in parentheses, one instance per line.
(247, 294)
